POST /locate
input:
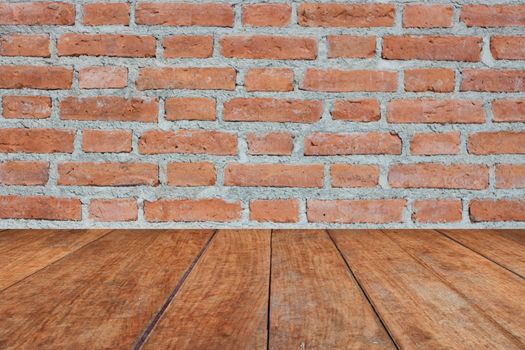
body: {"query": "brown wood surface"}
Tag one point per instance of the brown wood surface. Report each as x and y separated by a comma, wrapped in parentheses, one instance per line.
(420, 310)
(23, 252)
(223, 302)
(505, 247)
(102, 296)
(315, 301)
(491, 289)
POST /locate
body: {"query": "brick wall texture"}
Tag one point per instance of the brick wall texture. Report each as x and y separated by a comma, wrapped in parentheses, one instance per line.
(262, 114)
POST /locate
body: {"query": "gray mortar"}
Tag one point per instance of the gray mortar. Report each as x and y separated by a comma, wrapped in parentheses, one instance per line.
(145, 193)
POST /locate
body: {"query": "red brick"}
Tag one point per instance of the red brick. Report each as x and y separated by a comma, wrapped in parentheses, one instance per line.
(185, 14)
(492, 80)
(191, 174)
(350, 46)
(40, 208)
(374, 211)
(497, 142)
(510, 176)
(427, 16)
(213, 209)
(107, 174)
(116, 209)
(103, 77)
(35, 77)
(109, 108)
(37, 107)
(356, 110)
(272, 110)
(354, 175)
(428, 144)
(273, 175)
(493, 15)
(274, 210)
(345, 15)
(333, 80)
(269, 47)
(37, 13)
(266, 15)
(36, 140)
(508, 110)
(188, 142)
(113, 45)
(508, 47)
(188, 46)
(24, 45)
(195, 78)
(25, 173)
(497, 210)
(190, 108)
(332, 144)
(102, 141)
(269, 79)
(97, 14)
(432, 48)
(435, 111)
(436, 175)
(429, 79)
(437, 210)
(271, 143)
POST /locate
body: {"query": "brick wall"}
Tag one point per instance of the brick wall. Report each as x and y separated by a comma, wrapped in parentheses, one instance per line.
(252, 114)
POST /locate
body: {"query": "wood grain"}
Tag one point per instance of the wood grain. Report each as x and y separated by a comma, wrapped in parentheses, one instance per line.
(223, 302)
(420, 309)
(102, 296)
(505, 247)
(494, 291)
(315, 301)
(23, 252)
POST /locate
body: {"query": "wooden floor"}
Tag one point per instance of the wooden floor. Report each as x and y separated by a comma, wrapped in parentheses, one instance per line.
(234, 289)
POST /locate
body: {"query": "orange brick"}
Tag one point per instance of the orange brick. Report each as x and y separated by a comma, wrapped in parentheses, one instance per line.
(25, 173)
(345, 15)
(188, 142)
(185, 14)
(37, 13)
(40, 208)
(331, 144)
(115, 209)
(266, 15)
(191, 174)
(497, 142)
(109, 108)
(107, 174)
(508, 47)
(24, 45)
(333, 80)
(374, 211)
(492, 80)
(269, 79)
(273, 175)
(103, 141)
(272, 110)
(196, 78)
(427, 16)
(436, 175)
(435, 111)
(272, 143)
(356, 110)
(429, 79)
(269, 47)
(97, 14)
(36, 140)
(508, 110)
(354, 175)
(188, 46)
(437, 210)
(103, 78)
(350, 46)
(213, 209)
(493, 15)
(113, 45)
(510, 176)
(432, 48)
(434, 143)
(37, 107)
(190, 108)
(274, 210)
(35, 77)
(497, 210)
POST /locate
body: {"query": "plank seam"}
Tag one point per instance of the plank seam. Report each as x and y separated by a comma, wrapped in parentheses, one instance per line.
(269, 295)
(368, 298)
(149, 328)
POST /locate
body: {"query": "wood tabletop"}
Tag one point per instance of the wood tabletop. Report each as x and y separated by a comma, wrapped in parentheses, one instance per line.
(262, 289)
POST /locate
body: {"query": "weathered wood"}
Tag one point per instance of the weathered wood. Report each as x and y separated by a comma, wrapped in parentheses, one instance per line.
(417, 306)
(315, 301)
(223, 302)
(23, 252)
(102, 296)
(493, 290)
(505, 247)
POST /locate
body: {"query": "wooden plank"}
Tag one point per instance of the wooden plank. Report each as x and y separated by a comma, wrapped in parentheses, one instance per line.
(495, 291)
(420, 310)
(505, 247)
(223, 302)
(315, 301)
(102, 296)
(23, 252)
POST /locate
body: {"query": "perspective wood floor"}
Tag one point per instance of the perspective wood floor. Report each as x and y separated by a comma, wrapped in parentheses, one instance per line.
(262, 289)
